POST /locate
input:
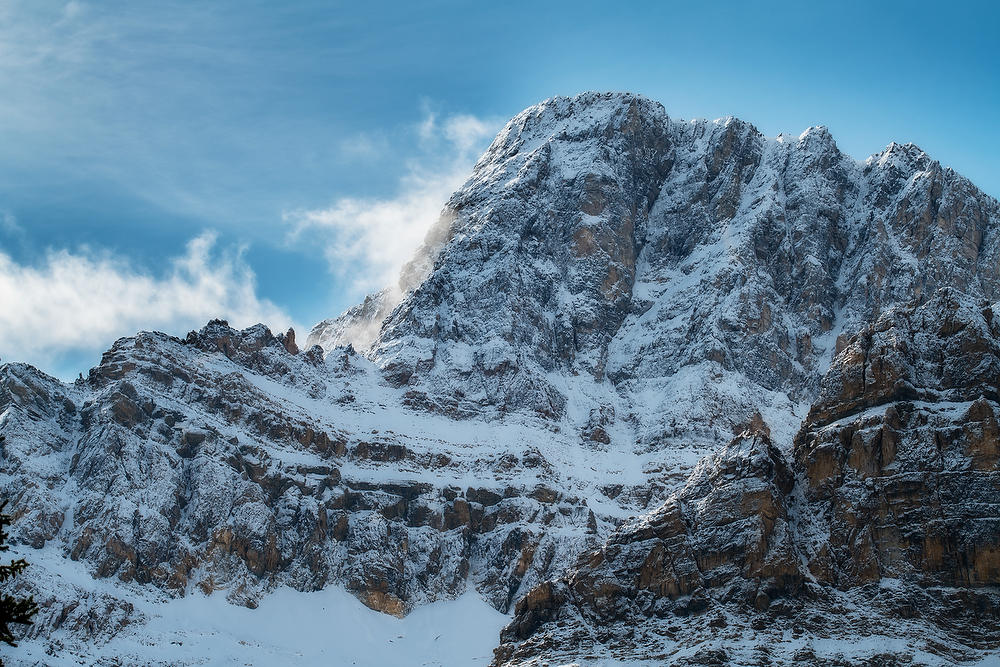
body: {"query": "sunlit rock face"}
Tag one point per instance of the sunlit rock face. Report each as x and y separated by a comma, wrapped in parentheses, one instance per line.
(880, 524)
(600, 239)
(651, 385)
(901, 450)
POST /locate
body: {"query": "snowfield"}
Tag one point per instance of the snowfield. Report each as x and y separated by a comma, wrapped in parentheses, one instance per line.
(322, 628)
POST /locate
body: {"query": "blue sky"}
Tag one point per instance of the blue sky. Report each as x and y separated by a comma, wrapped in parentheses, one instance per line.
(166, 162)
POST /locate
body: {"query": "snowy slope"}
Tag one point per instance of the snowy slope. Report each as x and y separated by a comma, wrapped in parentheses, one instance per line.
(320, 628)
(609, 298)
(876, 542)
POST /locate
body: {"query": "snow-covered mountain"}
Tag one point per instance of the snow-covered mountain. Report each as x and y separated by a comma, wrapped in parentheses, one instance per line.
(612, 297)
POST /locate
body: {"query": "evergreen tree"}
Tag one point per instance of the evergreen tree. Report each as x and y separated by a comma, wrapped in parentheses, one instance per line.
(12, 609)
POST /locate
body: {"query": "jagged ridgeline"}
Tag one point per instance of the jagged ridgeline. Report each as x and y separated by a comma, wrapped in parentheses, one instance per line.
(664, 390)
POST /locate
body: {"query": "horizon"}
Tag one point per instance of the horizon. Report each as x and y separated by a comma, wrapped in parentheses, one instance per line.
(253, 163)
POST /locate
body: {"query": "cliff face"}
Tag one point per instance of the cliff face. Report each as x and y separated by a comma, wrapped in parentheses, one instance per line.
(231, 462)
(901, 450)
(882, 524)
(610, 298)
(599, 239)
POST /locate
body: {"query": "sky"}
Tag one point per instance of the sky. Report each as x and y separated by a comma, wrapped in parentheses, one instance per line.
(165, 163)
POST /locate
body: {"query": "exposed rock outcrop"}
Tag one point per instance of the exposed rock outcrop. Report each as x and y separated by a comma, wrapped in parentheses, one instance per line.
(610, 298)
(886, 512)
(190, 467)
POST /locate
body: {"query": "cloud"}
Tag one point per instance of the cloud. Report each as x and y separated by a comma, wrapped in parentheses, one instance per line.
(71, 10)
(369, 239)
(83, 301)
(9, 224)
(466, 132)
(364, 146)
(159, 94)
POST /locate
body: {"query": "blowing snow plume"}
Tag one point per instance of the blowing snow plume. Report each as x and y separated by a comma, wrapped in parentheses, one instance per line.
(388, 245)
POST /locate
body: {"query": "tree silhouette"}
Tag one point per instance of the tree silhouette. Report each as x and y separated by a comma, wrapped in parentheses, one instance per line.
(12, 609)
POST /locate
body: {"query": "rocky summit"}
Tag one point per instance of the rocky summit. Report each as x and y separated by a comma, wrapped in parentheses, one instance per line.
(663, 391)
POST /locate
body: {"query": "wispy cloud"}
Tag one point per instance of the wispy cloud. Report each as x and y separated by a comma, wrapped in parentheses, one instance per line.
(84, 300)
(365, 146)
(9, 224)
(194, 108)
(466, 133)
(368, 239)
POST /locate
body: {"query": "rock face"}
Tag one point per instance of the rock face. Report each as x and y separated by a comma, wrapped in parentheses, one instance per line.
(610, 298)
(885, 512)
(601, 240)
(901, 450)
(189, 464)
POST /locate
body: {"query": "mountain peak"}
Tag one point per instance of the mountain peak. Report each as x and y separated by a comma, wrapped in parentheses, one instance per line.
(906, 157)
(580, 115)
(610, 298)
(592, 222)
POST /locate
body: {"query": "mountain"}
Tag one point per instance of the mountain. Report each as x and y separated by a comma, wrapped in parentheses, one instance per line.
(880, 531)
(663, 390)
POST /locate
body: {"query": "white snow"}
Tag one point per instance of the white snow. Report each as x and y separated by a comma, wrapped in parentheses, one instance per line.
(328, 627)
